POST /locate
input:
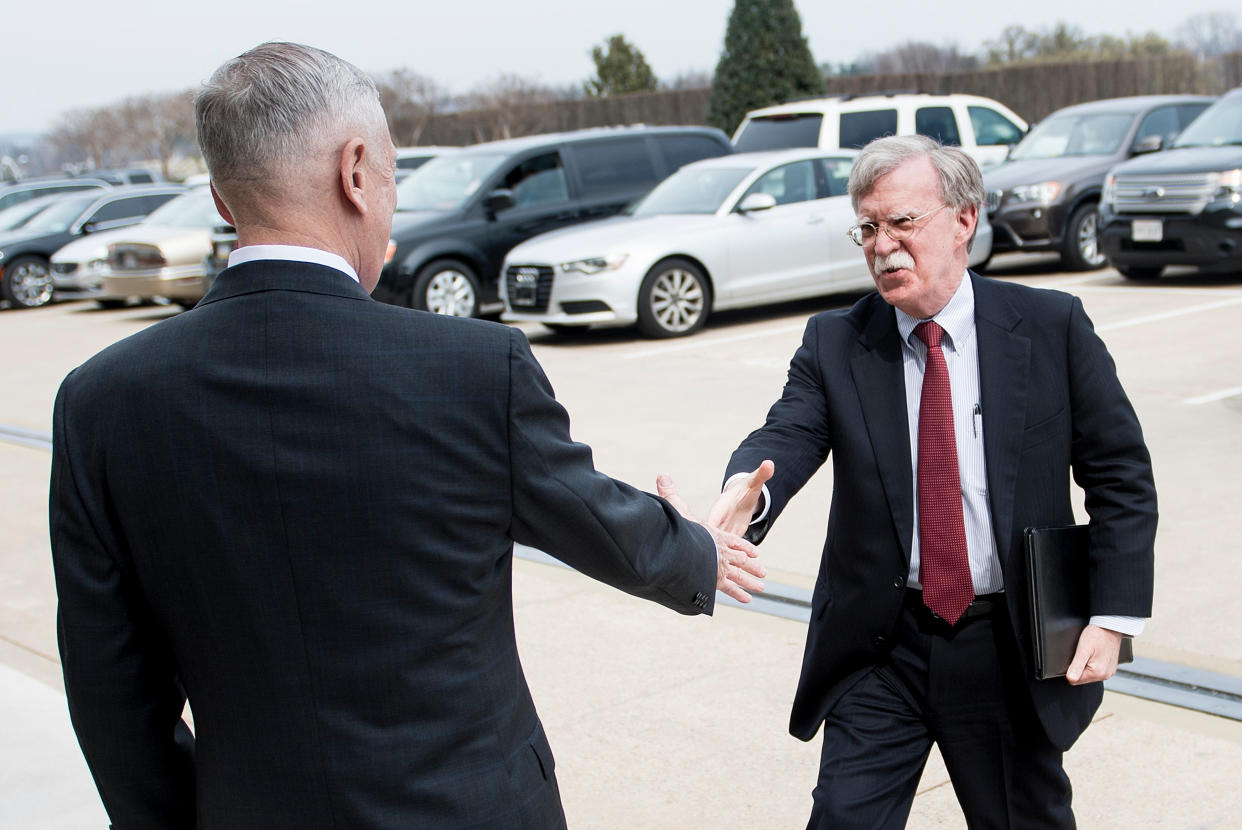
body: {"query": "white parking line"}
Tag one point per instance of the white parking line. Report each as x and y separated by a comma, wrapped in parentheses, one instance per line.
(1171, 291)
(1152, 318)
(660, 351)
(1214, 396)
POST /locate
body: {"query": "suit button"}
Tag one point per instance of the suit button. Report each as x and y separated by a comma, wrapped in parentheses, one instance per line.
(899, 582)
(879, 641)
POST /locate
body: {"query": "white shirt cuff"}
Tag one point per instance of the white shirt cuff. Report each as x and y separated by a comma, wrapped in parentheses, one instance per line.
(1129, 626)
(765, 501)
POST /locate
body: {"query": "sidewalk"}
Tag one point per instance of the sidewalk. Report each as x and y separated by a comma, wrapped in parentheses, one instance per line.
(664, 721)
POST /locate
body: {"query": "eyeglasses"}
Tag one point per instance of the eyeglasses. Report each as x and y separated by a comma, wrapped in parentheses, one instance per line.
(898, 228)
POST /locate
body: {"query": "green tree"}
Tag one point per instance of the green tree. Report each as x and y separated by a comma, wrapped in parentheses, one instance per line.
(765, 61)
(619, 67)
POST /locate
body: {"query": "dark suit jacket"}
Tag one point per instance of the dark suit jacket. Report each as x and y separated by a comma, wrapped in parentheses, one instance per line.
(298, 506)
(1051, 404)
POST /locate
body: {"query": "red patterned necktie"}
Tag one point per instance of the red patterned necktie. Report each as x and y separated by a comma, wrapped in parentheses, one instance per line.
(944, 567)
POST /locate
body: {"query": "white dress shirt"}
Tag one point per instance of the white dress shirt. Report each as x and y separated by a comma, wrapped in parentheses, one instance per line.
(292, 253)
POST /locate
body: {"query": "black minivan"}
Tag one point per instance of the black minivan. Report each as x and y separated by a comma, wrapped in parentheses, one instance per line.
(459, 214)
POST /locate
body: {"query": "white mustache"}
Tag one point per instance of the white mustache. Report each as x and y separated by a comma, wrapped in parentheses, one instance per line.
(893, 261)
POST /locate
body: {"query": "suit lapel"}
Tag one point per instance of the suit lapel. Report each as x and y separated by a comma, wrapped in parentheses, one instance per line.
(1004, 374)
(878, 375)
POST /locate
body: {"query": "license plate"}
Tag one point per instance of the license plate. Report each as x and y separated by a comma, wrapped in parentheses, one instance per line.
(1147, 230)
(524, 295)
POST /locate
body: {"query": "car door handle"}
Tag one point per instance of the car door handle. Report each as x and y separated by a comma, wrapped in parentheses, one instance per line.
(815, 219)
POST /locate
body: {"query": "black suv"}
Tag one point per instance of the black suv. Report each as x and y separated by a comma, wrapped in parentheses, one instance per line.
(459, 214)
(1045, 196)
(1181, 207)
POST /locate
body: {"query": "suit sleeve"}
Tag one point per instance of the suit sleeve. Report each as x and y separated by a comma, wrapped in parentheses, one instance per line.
(602, 527)
(794, 435)
(1112, 465)
(125, 699)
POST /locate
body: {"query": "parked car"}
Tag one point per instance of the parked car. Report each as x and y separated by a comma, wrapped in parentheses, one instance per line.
(14, 216)
(26, 189)
(1183, 206)
(162, 256)
(459, 214)
(982, 127)
(1046, 195)
(742, 230)
(25, 274)
(410, 159)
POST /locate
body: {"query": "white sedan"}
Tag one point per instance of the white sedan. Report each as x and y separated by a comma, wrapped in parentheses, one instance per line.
(738, 230)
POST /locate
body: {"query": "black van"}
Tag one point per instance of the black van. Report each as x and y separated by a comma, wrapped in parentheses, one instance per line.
(1182, 206)
(459, 214)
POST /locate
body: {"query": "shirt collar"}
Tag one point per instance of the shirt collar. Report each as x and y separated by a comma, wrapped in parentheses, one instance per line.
(292, 253)
(957, 318)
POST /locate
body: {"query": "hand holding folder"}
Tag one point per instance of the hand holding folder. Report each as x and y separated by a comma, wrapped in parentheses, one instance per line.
(1060, 604)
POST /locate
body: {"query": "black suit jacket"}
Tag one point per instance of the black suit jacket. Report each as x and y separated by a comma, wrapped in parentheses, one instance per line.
(1051, 404)
(297, 506)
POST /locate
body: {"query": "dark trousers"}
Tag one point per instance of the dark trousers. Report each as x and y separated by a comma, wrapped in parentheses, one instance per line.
(961, 687)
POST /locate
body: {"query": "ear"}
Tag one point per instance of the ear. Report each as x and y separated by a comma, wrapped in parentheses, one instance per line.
(354, 173)
(967, 218)
(221, 207)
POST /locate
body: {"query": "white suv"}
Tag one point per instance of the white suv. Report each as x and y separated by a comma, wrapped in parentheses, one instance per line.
(980, 126)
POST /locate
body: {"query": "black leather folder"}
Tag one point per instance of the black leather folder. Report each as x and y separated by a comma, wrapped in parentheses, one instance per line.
(1059, 591)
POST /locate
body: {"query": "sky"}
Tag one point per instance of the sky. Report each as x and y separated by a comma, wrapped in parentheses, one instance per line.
(64, 54)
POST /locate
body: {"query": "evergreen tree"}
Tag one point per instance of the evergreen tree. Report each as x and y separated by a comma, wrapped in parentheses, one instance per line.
(619, 67)
(765, 61)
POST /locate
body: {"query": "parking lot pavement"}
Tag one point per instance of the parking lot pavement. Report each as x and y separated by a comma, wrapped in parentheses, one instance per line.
(661, 721)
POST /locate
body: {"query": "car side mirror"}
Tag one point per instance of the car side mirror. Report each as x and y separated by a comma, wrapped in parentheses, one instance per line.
(1149, 144)
(757, 201)
(498, 200)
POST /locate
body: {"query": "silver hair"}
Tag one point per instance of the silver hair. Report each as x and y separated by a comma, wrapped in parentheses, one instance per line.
(276, 105)
(961, 183)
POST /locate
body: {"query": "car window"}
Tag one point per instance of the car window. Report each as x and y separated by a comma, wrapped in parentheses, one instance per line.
(608, 167)
(1187, 113)
(938, 123)
(1220, 124)
(446, 181)
(680, 150)
(538, 181)
(140, 178)
(789, 183)
(195, 209)
(860, 128)
(16, 198)
(59, 216)
(125, 208)
(991, 128)
(1161, 122)
(837, 173)
(779, 132)
(1082, 134)
(691, 190)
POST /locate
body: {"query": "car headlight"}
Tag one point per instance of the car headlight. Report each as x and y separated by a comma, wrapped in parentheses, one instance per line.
(1044, 193)
(594, 265)
(1229, 186)
(1110, 191)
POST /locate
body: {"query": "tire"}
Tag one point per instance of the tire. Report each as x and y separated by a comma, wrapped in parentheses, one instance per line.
(110, 303)
(1080, 250)
(447, 286)
(27, 282)
(675, 299)
(1139, 274)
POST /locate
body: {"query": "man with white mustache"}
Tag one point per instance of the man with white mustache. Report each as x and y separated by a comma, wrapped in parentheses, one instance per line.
(919, 618)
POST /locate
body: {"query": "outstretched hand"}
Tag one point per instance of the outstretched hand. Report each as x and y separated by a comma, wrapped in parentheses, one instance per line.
(735, 507)
(737, 570)
(1096, 656)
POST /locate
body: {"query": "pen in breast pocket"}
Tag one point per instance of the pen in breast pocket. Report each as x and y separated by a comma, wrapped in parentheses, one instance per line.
(974, 420)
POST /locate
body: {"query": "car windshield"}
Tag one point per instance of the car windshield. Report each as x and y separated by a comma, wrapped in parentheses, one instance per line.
(1220, 124)
(691, 190)
(59, 216)
(20, 214)
(446, 181)
(1086, 134)
(195, 209)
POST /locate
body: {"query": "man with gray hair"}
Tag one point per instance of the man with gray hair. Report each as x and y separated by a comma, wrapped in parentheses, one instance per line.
(957, 407)
(296, 507)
